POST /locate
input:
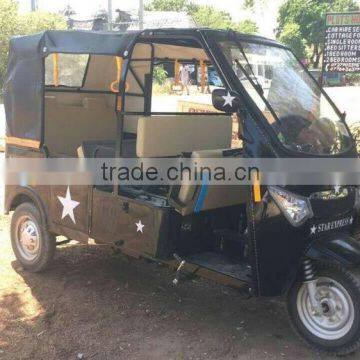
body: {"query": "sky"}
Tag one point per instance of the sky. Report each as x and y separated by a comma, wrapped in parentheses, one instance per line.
(264, 15)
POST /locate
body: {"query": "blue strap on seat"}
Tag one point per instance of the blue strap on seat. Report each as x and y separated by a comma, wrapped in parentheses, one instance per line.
(202, 195)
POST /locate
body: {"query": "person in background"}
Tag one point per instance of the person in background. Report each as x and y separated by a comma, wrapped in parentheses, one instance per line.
(185, 78)
(198, 81)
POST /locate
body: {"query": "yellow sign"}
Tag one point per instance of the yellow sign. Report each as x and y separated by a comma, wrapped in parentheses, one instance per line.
(194, 107)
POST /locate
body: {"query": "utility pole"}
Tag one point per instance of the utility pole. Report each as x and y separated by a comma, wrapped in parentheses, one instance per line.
(33, 5)
(110, 15)
(141, 14)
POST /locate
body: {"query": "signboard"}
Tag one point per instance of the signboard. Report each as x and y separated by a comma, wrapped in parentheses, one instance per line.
(342, 43)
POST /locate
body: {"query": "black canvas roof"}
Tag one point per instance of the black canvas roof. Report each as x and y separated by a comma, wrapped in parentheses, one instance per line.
(75, 42)
(23, 86)
(105, 43)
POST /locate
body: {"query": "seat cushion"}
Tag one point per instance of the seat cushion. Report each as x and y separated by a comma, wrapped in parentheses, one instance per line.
(171, 135)
(216, 196)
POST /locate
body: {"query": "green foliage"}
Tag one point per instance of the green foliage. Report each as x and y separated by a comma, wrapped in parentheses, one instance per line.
(168, 5)
(207, 16)
(8, 18)
(204, 16)
(291, 36)
(249, 4)
(245, 26)
(34, 22)
(9, 26)
(11, 23)
(353, 79)
(163, 89)
(355, 131)
(309, 15)
(160, 75)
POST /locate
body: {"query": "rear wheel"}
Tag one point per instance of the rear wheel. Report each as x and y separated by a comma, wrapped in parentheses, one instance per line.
(335, 328)
(33, 245)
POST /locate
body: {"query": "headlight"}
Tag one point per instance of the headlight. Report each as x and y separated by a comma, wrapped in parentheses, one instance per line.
(297, 209)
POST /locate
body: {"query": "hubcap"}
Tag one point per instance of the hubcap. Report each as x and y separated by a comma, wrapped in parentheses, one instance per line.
(337, 309)
(27, 239)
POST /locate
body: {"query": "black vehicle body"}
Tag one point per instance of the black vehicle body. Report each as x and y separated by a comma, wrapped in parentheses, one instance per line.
(276, 248)
(235, 234)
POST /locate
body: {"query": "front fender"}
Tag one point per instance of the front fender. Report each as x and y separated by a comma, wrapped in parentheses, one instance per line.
(342, 249)
(19, 194)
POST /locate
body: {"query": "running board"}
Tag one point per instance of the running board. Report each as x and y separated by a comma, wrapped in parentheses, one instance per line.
(221, 264)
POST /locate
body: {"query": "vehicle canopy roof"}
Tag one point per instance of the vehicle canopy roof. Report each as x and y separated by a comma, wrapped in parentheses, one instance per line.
(24, 81)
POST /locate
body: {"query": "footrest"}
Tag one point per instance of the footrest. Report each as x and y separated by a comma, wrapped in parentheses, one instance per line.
(222, 264)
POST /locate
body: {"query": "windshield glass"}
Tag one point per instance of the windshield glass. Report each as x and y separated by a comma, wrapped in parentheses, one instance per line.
(302, 118)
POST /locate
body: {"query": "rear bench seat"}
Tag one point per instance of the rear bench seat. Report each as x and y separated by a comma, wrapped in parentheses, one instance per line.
(89, 117)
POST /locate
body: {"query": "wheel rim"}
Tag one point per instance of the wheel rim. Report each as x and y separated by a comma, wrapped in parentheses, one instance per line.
(27, 238)
(337, 315)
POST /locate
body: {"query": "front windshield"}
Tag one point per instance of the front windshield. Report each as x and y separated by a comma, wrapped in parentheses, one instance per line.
(302, 118)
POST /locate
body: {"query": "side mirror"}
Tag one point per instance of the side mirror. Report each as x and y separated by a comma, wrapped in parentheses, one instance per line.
(225, 100)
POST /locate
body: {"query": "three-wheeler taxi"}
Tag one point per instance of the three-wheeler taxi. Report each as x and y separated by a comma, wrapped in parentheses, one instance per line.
(72, 94)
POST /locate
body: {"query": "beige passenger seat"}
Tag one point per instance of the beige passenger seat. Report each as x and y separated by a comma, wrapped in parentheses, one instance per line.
(204, 136)
(171, 135)
(196, 198)
(88, 116)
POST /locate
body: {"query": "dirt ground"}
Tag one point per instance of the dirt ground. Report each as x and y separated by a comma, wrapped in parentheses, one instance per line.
(96, 304)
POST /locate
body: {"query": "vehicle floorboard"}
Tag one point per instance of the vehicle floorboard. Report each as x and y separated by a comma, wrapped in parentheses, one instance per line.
(222, 264)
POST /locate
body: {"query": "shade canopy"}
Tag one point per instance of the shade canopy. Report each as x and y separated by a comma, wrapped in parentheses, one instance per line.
(24, 81)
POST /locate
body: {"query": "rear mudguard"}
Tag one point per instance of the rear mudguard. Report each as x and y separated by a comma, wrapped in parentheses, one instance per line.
(342, 249)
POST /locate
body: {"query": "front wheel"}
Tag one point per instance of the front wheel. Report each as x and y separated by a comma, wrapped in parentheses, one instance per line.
(335, 327)
(32, 243)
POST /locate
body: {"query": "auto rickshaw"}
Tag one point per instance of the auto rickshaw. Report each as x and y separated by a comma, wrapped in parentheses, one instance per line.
(91, 94)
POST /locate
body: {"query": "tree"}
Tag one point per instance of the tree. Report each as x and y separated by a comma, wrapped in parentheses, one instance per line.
(9, 27)
(169, 5)
(207, 16)
(309, 16)
(37, 21)
(291, 36)
(160, 74)
(249, 4)
(245, 26)
(11, 23)
(204, 16)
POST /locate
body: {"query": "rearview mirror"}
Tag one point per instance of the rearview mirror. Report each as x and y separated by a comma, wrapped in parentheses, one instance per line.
(225, 100)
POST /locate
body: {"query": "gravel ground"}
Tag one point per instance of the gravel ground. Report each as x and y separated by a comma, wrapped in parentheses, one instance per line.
(96, 304)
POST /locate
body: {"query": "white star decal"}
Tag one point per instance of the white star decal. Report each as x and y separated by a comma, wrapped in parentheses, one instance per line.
(139, 227)
(68, 205)
(337, 189)
(228, 99)
(313, 229)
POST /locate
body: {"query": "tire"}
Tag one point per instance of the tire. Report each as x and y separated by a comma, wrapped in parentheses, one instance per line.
(33, 245)
(344, 291)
